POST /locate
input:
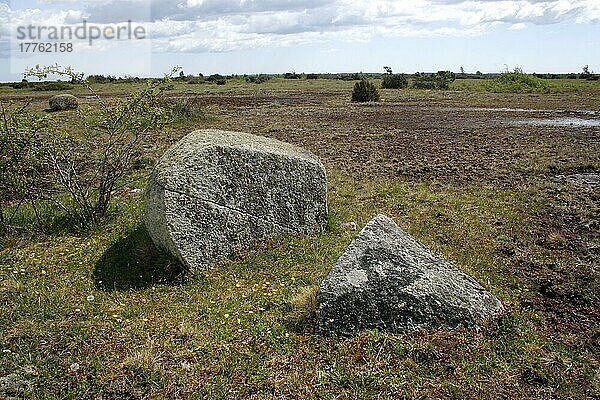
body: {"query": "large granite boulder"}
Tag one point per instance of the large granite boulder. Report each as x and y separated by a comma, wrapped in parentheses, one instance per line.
(216, 192)
(389, 281)
(62, 102)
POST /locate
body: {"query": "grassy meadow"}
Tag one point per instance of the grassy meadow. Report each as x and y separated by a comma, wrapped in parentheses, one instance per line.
(100, 313)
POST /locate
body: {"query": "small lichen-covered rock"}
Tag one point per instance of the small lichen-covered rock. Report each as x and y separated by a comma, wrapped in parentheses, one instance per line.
(217, 192)
(389, 281)
(588, 181)
(62, 102)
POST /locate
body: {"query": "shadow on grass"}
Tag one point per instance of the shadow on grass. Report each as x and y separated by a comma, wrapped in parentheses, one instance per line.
(134, 262)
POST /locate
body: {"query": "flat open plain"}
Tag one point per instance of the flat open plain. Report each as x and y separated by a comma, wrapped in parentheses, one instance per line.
(505, 186)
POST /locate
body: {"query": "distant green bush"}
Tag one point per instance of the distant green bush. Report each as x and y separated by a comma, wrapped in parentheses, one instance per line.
(218, 79)
(429, 82)
(130, 79)
(20, 85)
(516, 82)
(440, 81)
(42, 86)
(184, 108)
(292, 75)
(364, 91)
(312, 76)
(101, 79)
(51, 86)
(350, 77)
(394, 81)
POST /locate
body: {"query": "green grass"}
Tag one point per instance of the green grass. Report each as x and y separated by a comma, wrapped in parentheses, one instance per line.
(243, 330)
(239, 86)
(537, 86)
(232, 332)
(517, 82)
(236, 86)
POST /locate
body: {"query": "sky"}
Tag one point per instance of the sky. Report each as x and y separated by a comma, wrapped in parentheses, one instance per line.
(277, 36)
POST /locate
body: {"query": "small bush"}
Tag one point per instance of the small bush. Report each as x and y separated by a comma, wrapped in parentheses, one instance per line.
(439, 81)
(130, 79)
(429, 82)
(292, 75)
(20, 85)
(365, 91)
(349, 77)
(185, 108)
(312, 76)
(217, 78)
(90, 167)
(394, 81)
(23, 167)
(101, 79)
(516, 82)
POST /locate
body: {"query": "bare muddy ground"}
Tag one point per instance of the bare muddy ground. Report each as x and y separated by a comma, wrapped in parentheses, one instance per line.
(447, 137)
(471, 141)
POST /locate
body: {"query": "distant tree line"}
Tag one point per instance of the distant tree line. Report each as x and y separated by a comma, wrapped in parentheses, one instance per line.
(390, 80)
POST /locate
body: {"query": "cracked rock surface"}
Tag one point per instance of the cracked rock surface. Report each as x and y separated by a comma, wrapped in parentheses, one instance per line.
(389, 281)
(216, 192)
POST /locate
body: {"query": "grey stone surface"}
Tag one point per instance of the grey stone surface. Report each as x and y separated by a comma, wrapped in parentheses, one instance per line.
(389, 281)
(590, 180)
(62, 102)
(216, 192)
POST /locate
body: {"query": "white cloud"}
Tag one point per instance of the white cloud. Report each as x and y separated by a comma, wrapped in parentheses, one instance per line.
(518, 27)
(591, 12)
(226, 25)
